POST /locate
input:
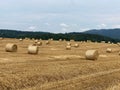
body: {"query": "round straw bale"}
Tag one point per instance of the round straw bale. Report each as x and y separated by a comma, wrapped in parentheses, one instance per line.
(47, 42)
(95, 42)
(20, 39)
(76, 45)
(108, 50)
(10, 47)
(40, 39)
(91, 54)
(33, 39)
(60, 39)
(26, 38)
(39, 43)
(102, 41)
(64, 40)
(72, 40)
(1, 38)
(69, 44)
(51, 39)
(68, 47)
(32, 49)
(36, 41)
(109, 42)
(88, 41)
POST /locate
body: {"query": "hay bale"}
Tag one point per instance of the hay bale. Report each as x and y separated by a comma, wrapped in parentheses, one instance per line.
(109, 42)
(89, 41)
(40, 39)
(91, 54)
(72, 40)
(36, 41)
(64, 40)
(85, 41)
(20, 39)
(118, 44)
(39, 43)
(108, 50)
(68, 47)
(10, 47)
(33, 39)
(76, 45)
(47, 42)
(102, 41)
(60, 40)
(26, 38)
(1, 38)
(69, 44)
(33, 49)
(51, 39)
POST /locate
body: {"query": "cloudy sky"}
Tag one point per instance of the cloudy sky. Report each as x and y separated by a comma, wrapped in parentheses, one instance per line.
(59, 15)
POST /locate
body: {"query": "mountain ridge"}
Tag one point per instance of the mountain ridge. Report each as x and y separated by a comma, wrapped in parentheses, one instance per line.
(113, 33)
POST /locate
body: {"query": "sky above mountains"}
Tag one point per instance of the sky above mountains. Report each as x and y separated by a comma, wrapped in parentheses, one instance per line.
(59, 15)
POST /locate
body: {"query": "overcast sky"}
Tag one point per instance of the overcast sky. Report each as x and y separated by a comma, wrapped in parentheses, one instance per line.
(59, 15)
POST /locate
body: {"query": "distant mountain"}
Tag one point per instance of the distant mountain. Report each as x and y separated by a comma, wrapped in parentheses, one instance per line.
(77, 36)
(113, 33)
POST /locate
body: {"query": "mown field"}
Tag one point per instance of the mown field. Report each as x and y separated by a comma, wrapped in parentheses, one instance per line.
(55, 68)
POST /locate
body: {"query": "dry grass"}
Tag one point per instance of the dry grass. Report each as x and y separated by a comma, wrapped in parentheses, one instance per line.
(55, 68)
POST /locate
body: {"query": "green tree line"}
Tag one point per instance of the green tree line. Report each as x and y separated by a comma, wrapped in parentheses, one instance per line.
(46, 35)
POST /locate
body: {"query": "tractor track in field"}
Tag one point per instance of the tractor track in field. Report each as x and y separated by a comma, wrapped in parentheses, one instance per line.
(60, 84)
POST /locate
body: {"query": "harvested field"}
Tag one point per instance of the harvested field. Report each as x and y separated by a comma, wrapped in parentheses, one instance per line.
(55, 68)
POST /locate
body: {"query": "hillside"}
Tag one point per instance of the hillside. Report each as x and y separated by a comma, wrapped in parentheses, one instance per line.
(47, 35)
(113, 33)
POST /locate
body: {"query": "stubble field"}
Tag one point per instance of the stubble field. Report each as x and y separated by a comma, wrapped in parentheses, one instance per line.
(55, 68)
